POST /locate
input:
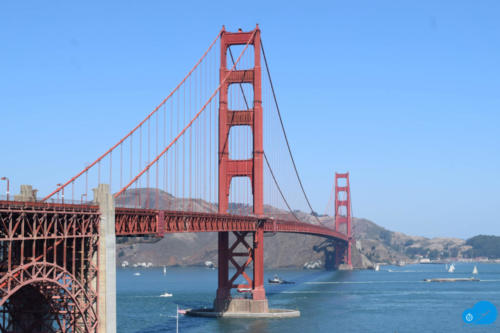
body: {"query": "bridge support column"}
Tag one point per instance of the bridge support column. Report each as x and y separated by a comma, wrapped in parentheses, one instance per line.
(106, 304)
(258, 292)
(223, 288)
(343, 256)
(254, 253)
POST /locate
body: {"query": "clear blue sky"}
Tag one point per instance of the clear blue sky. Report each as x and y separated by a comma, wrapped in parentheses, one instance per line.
(403, 94)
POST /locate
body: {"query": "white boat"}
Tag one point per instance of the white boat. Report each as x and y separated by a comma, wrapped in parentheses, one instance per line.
(277, 280)
(244, 290)
(451, 269)
(377, 267)
(166, 294)
(137, 274)
(474, 271)
(164, 270)
(209, 264)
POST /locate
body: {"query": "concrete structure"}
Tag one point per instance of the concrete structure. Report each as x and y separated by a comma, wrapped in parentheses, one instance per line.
(271, 313)
(107, 260)
(27, 194)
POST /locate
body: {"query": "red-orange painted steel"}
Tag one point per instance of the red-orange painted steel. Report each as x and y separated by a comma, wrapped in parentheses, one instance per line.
(251, 168)
(48, 267)
(137, 222)
(343, 217)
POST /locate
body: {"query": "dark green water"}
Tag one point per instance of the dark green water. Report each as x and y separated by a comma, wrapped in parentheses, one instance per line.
(394, 299)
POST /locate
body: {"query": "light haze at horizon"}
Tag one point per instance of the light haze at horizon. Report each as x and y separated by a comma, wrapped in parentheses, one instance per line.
(404, 96)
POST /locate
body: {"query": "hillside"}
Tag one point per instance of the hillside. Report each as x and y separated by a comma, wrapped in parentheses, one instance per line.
(381, 245)
(373, 243)
(484, 246)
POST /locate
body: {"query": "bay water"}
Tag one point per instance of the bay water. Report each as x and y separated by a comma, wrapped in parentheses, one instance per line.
(394, 299)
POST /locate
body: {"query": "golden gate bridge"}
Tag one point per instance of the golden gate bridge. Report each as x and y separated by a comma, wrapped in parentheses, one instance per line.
(213, 156)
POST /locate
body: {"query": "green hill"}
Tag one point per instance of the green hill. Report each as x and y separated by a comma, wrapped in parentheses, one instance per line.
(484, 246)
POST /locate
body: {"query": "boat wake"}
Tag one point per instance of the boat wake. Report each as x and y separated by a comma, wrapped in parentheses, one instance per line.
(360, 282)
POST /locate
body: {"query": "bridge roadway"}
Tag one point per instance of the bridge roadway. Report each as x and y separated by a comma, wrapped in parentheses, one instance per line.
(155, 222)
(131, 222)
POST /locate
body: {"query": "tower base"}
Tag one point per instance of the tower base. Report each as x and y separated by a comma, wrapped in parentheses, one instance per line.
(345, 267)
(241, 305)
(242, 308)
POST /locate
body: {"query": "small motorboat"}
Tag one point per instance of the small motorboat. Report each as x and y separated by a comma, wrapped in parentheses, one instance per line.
(165, 294)
(244, 290)
(277, 280)
(137, 274)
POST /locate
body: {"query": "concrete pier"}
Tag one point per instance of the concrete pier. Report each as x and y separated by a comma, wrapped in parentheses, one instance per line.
(243, 308)
(107, 260)
(345, 267)
(241, 305)
(272, 313)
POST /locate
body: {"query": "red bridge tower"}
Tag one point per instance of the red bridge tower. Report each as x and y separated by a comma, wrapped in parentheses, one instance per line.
(251, 168)
(343, 218)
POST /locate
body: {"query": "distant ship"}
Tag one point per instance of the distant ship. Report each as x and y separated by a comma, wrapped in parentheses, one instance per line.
(165, 294)
(137, 274)
(244, 290)
(209, 264)
(277, 280)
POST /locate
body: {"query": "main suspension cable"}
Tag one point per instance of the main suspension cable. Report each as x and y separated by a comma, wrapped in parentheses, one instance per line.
(284, 133)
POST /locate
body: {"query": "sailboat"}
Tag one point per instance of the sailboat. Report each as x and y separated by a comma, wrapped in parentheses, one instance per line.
(474, 271)
(451, 269)
(164, 270)
(377, 267)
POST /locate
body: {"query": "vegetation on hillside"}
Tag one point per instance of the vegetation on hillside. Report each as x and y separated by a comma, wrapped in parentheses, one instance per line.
(484, 246)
